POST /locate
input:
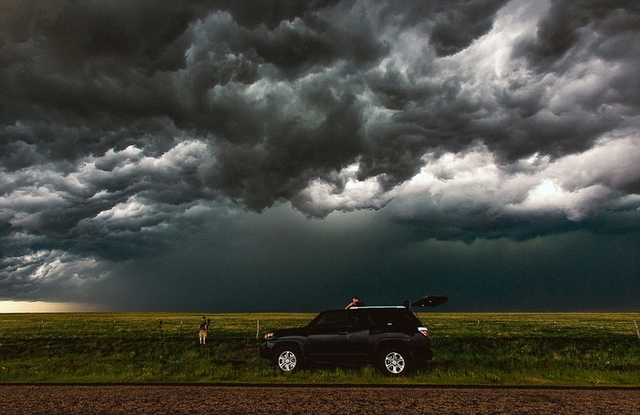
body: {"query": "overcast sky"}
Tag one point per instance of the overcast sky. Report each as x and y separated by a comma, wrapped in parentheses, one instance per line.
(286, 155)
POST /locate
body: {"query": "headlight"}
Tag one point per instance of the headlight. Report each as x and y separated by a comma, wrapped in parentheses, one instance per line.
(268, 336)
(424, 331)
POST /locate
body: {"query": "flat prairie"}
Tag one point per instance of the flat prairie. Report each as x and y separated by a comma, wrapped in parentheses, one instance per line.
(496, 349)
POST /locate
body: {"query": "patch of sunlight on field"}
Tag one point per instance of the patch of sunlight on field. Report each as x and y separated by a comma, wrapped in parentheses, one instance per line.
(45, 307)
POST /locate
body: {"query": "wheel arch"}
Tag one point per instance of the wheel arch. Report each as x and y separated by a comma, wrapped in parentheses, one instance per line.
(390, 344)
(289, 343)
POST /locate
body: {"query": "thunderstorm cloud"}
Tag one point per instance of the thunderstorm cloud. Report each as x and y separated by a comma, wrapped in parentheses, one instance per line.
(130, 130)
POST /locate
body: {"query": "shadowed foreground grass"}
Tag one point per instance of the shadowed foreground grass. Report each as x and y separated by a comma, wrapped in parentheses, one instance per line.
(471, 349)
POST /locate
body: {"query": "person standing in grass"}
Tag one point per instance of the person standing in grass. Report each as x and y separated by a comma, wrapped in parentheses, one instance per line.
(202, 333)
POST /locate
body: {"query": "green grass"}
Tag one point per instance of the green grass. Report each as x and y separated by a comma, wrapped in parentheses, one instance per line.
(530, 349)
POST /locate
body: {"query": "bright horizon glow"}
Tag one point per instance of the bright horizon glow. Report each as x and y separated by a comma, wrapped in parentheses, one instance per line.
(45, 307)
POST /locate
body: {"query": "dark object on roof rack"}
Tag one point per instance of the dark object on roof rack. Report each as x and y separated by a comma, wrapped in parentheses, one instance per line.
(430, 301)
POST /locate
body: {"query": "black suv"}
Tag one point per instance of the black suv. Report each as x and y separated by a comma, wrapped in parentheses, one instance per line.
(391, 338)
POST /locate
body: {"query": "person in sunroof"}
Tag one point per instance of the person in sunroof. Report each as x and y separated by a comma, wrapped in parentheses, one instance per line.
(355, 301)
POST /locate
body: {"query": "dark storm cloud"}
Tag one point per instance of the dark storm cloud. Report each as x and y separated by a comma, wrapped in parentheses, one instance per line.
(451, 26)
(112, 88)
(82, 78)
(124, 124)
(575, 41)
(569, 23)
(461, 23)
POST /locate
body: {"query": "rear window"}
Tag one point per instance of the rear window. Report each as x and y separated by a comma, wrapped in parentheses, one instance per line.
(398, 318)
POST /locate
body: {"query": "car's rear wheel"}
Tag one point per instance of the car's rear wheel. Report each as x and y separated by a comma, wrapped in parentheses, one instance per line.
(394, 362)
(288, 359)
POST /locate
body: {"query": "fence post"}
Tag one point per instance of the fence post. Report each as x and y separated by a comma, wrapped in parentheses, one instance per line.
(637, 331)
(257, 329)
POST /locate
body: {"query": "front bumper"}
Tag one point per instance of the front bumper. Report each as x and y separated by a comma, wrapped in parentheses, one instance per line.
(266, 350)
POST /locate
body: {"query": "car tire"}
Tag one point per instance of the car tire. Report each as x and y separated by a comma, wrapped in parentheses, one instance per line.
(288, 359)
(394, 362)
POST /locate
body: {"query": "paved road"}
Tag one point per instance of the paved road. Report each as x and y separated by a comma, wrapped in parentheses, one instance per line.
(162, 399)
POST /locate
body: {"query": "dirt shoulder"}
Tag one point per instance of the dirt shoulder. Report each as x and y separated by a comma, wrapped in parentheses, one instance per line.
(156, 399)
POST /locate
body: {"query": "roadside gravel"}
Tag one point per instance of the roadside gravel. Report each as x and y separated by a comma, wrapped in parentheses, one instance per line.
(209, 399)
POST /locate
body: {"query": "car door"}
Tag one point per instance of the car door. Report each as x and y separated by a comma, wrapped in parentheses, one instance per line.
(359, 338)
(327, 339)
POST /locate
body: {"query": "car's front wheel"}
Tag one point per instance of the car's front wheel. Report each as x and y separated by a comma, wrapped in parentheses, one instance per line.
(394, 362)
(288, 359)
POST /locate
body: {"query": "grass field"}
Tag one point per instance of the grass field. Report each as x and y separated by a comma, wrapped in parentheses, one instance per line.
(470, 349)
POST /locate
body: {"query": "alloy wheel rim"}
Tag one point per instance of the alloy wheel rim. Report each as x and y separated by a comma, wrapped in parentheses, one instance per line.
(394, 362)
(287, 361)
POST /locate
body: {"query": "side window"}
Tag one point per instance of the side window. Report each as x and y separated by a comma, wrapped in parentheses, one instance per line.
(379, 318)
(404, 320)
(330, 320)
(362, 320)
(385, 319)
